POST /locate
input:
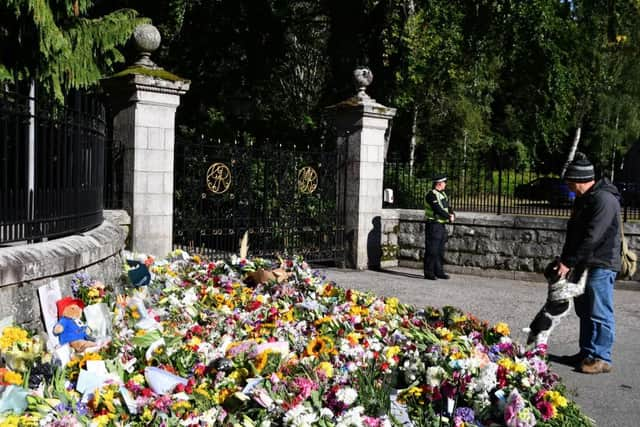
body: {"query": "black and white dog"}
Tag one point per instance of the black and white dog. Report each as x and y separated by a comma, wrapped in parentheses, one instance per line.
(559, 302)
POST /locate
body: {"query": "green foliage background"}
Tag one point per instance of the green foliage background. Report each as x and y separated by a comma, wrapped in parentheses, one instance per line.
(515, 76)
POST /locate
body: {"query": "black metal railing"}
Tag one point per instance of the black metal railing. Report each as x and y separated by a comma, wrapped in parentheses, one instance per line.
(113, 174)
(479, 184)
(51, 165)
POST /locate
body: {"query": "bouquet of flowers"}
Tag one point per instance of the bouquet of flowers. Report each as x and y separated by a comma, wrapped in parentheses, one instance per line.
(88, 289)
(19, 349)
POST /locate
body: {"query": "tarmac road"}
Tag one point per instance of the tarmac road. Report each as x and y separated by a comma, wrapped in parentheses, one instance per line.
(611, 400)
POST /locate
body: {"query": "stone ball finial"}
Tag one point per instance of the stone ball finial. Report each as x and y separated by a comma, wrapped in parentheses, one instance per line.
(362, 76)
(146, 39)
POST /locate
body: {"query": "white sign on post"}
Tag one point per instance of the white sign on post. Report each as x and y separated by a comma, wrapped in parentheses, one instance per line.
(50, 294)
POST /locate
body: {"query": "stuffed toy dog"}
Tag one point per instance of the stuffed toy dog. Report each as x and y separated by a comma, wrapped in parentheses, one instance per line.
(559, 302)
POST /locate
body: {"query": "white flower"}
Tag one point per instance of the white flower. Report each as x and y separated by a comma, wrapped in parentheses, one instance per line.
(487, 380)
(435, 374)
(376, 346)
(300, 416)
(351, 418)
(347, 395)
(326, 413)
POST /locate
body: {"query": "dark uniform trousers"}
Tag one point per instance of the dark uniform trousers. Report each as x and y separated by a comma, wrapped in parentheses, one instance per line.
(435, 239)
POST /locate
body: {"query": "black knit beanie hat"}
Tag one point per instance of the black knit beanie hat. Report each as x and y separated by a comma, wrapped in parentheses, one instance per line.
(580, 169)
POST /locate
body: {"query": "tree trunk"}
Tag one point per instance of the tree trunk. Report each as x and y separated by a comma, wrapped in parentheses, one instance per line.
(412, 144)
(572, 152)
(613, 151)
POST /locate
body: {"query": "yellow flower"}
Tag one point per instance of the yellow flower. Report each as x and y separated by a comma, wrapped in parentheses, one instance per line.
(138, 379)
(555, 398)
(358, 310)
(81, 362)
(12, 335)
(100, 420)
(219, 299)
(354, 338)
(222, 395)
(261, 360)
(508, 364)
(319, 346)
(415, 392)
(392, 351)
(181, 406)
(458, 355)
(239, 375)
(520, 367)
(326, 368)
(287, 316)
(323, 320)
(202, 390)
(11, 421)
(502, 329)
(147, 415)
(445, 334)
(391, 306)
(195, 341)
(459, 318)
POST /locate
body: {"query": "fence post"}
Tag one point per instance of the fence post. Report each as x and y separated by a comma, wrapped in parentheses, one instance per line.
(144, 99)
(361, 124)
(499, 184)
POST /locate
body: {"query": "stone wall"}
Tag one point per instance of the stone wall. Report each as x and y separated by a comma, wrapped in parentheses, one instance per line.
(495, 244)
(25, 268)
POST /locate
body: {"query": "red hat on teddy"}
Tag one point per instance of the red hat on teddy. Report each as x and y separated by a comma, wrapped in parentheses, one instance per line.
(66, 302)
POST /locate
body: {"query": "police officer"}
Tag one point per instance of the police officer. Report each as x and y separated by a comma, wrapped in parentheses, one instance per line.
(437, 213)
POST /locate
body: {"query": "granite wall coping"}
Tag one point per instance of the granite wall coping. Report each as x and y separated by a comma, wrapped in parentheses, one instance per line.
(25, 263)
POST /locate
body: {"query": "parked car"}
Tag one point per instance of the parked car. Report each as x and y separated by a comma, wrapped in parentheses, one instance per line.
(630, 192)
(553, 190)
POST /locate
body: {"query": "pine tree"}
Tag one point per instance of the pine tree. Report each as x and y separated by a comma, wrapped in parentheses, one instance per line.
(60, 44)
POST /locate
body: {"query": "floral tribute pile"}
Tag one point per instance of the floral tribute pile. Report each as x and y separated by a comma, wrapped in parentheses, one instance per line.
(210, 344)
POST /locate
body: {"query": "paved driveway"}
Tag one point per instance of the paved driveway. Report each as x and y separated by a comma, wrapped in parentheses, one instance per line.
(612, 400)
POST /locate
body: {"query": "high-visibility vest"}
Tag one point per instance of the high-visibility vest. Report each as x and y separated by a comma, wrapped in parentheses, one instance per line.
(442, 201)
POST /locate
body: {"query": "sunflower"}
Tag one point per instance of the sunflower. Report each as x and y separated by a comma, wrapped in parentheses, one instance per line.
(261, 360)
(319, 346)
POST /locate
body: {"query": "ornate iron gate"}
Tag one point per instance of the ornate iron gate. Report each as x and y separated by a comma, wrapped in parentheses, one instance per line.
(288, 199)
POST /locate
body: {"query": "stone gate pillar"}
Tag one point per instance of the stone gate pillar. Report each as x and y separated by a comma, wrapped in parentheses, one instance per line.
(144, 98)
(362, 125)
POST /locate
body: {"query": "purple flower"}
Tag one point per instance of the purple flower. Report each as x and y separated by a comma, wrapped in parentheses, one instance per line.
(465, 413)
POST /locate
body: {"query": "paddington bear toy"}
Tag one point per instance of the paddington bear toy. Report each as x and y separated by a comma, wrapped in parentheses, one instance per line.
(69, 328)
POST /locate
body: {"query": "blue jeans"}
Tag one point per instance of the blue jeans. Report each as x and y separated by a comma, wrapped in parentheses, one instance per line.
(595, 310)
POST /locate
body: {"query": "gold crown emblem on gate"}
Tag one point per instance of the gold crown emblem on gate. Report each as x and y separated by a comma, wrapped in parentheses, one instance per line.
(218, 178)
(307, 180)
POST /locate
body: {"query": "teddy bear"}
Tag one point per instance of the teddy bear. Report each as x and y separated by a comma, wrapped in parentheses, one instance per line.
(70, 328)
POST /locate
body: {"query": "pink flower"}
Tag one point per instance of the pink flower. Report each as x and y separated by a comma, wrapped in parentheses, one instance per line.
(304, 386)
(516, 414)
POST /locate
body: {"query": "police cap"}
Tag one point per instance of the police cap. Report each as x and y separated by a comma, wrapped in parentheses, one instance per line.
(439, 178)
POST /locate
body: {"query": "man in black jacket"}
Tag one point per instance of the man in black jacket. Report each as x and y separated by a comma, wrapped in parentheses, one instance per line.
(593, 242)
